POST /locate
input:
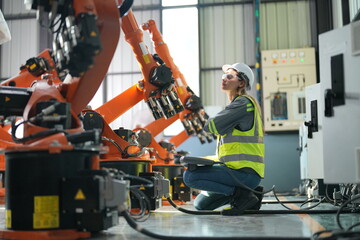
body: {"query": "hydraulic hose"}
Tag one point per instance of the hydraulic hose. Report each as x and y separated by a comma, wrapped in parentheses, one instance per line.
(125, 7)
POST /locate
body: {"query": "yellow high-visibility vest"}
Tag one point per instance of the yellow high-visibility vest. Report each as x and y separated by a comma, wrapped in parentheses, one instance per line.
(244, 149)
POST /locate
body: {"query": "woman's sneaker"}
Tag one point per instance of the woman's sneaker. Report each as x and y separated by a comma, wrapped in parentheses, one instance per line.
(257, 206)
(241, 200)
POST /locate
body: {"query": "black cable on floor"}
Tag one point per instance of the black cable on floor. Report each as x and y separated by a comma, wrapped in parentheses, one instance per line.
(142, 230)
(336, 235)
(276, 202)
(300, 211)
(341, 211)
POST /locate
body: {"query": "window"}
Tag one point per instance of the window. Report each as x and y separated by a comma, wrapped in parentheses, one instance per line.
(183, 43)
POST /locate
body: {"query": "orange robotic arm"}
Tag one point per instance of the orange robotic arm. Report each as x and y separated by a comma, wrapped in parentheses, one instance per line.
(32, 71)
(193, 117)
(91, 32)
(157, 85)
(55, 156)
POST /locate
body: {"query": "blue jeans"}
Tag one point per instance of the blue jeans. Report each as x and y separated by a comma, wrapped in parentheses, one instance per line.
(218, 183)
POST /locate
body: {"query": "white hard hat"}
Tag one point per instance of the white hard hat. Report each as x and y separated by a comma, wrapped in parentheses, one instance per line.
(244, 70)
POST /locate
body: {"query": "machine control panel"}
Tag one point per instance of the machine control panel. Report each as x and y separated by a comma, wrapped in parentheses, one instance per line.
(285, 74)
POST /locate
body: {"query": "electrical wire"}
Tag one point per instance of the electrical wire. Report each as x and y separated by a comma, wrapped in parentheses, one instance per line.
(144, 203)
(114, 143)
(288, 211)
(328, 198)
(341, 209)
(271, 190)
(31, 136)
(164, 159)
(141, 152)
(146, 232)
(313, 200)
(246, 212)
(342, 233)
(336, 235)
(307, 208)
(121, 175)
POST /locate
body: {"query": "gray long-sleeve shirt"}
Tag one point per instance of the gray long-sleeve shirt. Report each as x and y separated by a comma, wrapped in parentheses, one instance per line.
(235, 115)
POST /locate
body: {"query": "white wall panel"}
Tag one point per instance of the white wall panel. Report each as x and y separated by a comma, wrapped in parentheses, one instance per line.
(224, 35)
(211, 85)
(285, 25)
(14, 7)
(23, 45)
(227, 35)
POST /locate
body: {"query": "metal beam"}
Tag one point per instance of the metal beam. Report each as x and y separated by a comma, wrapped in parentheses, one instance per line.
(345, 12)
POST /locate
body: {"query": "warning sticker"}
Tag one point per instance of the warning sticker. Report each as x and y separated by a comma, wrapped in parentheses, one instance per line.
(46, 220)
(180, 90)
(45, 204)
(46, 212)
(80, 195)
(146, 59)
(8, 218)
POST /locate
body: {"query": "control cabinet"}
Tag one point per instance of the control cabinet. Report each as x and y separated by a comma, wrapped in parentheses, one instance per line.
(339, 58)
(285, 74)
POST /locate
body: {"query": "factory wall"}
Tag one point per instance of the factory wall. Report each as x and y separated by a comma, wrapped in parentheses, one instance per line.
(24, 34)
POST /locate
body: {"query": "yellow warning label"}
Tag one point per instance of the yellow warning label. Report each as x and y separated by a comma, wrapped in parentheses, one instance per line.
(7, 99)
(46, 204)
(8, 218)
(32, 66)
(93, 34)
(80, 195)
(46, 220)
(146, 58)
(182, 185)
(180, 90)
(46, 212)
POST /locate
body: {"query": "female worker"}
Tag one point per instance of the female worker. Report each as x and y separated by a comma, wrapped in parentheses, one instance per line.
(240, 147)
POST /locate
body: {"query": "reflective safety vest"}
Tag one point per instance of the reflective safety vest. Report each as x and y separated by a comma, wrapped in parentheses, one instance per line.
(244, 149)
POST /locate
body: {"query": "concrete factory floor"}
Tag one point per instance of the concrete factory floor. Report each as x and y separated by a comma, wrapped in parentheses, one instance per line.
(170, 222)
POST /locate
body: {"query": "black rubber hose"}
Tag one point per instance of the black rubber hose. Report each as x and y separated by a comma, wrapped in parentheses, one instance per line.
(204, 212)
(276, 202)
(125, 7)
(146, 232)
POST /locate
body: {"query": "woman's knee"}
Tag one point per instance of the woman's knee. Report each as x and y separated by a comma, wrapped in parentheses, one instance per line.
(187, 178)
(200, 203)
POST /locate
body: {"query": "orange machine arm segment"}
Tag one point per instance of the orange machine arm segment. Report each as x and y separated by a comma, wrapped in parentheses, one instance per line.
(179, 139)
(162, 50)
(117, 106)
(134, 36)
(192, 118)
(81, 90)
(25, 78)
(159, 125)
